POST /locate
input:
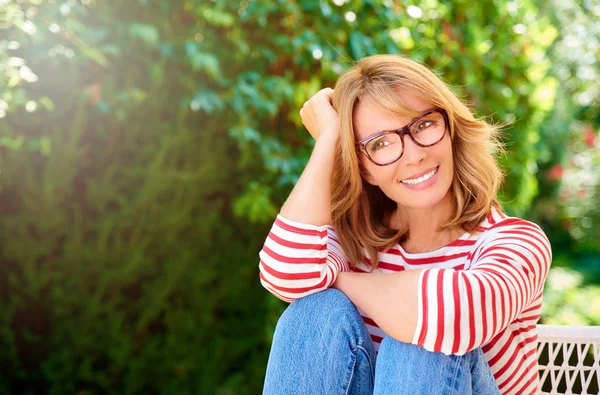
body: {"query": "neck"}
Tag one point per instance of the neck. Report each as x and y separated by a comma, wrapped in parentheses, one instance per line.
(425, 227)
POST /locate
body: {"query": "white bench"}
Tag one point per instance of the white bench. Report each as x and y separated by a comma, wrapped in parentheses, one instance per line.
(569, 359)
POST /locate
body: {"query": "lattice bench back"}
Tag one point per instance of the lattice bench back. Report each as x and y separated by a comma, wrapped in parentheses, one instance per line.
(569, 359)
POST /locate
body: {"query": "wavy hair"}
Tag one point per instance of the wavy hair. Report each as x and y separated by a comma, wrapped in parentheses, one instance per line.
(359, 210)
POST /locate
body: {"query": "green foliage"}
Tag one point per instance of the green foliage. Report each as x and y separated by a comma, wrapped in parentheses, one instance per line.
(146, 145)
(569, 159)
(568, 301)
(123, 267)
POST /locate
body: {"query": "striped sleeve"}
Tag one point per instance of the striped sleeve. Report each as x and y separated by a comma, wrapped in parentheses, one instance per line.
(460, 310)
(300, 259)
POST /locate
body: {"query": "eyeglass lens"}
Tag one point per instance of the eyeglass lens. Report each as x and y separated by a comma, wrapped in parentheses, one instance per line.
(427, 130)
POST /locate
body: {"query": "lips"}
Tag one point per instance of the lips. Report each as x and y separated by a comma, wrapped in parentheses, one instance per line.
(424, 174)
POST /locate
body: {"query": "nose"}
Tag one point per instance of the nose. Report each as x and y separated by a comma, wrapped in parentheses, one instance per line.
(413, 154)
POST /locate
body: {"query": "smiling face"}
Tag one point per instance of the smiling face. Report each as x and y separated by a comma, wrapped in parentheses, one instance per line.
(422, 177)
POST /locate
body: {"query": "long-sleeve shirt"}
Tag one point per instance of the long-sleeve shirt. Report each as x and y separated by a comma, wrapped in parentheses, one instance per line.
(482, 290)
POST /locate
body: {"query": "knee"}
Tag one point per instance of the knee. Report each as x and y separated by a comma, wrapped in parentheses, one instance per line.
(329, 299)
(322, 309)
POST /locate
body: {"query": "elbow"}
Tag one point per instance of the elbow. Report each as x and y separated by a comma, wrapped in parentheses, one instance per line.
(289, 286)
(272, 285)
(269, 287)
(290, 274)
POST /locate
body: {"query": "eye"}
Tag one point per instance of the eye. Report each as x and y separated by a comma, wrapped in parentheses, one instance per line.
(424, 124)
(382, 142)
(378, 144)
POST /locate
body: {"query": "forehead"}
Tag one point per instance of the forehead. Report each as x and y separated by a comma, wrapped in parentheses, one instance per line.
(368, 119)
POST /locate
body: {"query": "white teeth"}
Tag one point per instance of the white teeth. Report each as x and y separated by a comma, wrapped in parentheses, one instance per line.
(419, 180)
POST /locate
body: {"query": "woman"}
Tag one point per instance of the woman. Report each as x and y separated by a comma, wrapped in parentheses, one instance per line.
(420, 285)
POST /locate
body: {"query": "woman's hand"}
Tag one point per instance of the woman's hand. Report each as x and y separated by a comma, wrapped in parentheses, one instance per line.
(319, 117)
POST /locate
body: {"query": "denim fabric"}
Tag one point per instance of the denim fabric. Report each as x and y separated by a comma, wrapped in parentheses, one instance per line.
(321, 346)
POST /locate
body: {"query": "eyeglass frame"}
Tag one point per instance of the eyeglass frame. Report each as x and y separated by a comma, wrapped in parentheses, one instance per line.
(362, 144)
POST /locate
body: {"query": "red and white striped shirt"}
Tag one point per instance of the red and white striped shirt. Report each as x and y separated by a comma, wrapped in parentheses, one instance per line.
(482, 290)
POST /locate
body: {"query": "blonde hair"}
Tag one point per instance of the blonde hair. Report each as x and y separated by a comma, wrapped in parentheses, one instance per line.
(359, 210)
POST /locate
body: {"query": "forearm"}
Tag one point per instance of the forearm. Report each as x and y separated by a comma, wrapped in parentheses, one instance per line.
(310, 200)
(388, 299)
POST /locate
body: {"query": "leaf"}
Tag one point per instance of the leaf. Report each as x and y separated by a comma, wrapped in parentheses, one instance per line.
(217, 17)
(206, 100)
(203, 61)
(245, 134)
(145, 32)
(360, 45)
(255, 204)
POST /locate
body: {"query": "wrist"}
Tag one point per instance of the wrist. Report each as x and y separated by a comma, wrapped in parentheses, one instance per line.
(331, 136)
(327, 143)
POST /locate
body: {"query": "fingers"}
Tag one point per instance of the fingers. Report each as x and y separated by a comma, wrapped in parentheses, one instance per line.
(325, 93)
(318, 114)
(328, 93)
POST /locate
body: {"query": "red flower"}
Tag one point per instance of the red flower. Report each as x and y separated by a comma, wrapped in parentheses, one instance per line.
(556, 172)
(589, 136)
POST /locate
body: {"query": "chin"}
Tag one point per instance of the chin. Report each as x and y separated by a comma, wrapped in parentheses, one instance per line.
(425, 200)
(423, 204)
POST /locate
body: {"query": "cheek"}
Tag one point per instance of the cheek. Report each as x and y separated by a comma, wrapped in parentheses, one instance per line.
(363, 161)
(373, 174)
(449, 159)
(365, 165)
(444, 152)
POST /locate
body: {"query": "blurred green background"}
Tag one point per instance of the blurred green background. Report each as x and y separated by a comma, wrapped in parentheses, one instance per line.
(146, 146)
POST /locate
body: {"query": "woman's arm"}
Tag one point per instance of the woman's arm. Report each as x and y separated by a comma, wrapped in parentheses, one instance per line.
(310, 200)
(302, 254)
(388, 299)
(455, 311)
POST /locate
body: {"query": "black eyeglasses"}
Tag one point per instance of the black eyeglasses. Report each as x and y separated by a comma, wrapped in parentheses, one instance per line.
(385, 148)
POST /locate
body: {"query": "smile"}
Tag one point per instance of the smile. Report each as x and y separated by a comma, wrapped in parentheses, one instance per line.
(424, 177)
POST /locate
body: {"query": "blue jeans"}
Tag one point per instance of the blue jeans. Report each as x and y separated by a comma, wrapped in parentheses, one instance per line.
(321, 346)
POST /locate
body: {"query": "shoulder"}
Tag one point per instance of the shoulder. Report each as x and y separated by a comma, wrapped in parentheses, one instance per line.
(498, 222)
(499, 231)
